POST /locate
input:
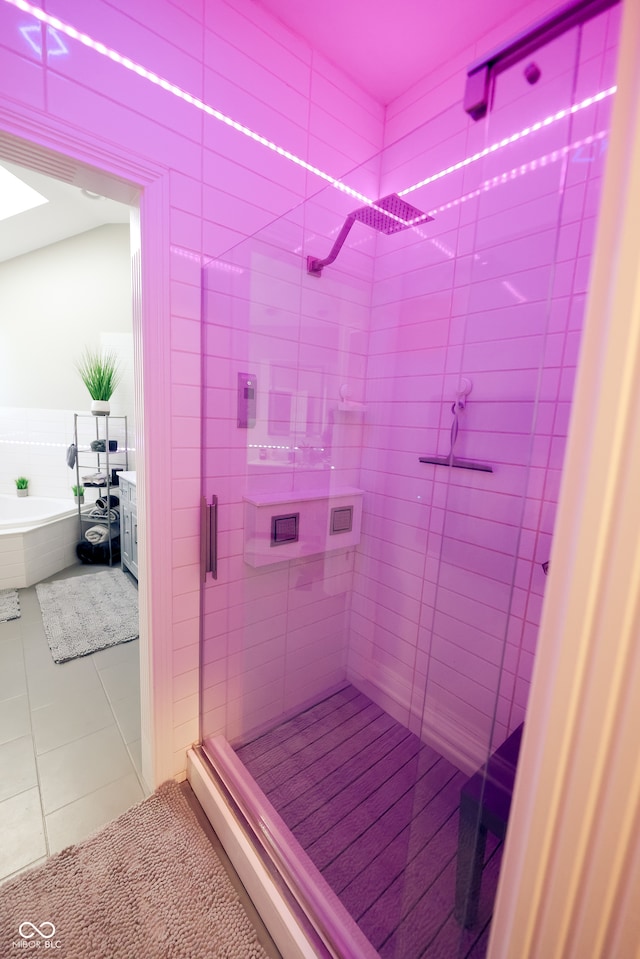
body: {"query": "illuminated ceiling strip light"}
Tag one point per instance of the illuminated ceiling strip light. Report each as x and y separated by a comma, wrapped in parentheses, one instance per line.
(501, 178)
(129, 64)
(134, 67)
(534, 128)
(33, 37)
(518, 171)
(55, 51)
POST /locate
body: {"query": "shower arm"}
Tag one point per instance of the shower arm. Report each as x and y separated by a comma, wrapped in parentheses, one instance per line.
(315, 265)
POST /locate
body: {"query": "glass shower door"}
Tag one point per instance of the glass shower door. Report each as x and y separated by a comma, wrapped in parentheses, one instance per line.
(283, 370)
(527, 224)
(280, 456)
(368, 642)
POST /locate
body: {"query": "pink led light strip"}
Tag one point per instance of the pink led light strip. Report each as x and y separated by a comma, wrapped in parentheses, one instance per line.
(518, 171)
(129, 64)
(176, 91)
(507, 141)
(500, 179)
(137, 68)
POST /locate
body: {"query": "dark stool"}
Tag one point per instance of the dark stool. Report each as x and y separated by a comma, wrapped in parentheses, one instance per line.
(485, 801)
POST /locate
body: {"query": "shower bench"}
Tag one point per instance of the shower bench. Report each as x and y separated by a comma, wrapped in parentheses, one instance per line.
(485, 801)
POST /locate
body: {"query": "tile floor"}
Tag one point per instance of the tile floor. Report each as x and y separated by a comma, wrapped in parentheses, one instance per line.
(69, 739)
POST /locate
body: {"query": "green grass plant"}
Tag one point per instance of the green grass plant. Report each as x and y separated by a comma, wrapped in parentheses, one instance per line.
(99, 373)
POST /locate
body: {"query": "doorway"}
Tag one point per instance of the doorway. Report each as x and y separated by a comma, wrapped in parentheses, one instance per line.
(71, 731)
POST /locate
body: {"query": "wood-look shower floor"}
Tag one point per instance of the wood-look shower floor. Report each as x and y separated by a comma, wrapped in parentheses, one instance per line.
(376, 810)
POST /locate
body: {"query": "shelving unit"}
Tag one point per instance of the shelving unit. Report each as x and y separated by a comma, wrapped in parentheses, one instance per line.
(93, 436)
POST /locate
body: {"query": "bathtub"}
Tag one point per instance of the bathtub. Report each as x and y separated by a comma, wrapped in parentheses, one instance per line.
(38, 537)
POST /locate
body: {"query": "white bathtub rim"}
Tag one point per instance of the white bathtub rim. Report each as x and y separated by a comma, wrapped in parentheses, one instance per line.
(62, 509)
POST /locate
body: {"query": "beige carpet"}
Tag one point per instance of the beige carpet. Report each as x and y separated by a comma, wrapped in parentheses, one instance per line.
(149, 884)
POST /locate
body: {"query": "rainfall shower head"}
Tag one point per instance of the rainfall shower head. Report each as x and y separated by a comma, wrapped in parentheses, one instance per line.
(389, 215)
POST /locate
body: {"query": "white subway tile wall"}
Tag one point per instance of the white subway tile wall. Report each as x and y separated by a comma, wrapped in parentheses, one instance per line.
(448, 581)
(427, 318)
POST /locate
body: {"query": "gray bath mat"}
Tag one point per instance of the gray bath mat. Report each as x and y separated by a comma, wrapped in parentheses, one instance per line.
(84, 614)
(9, 605)
(147, 885)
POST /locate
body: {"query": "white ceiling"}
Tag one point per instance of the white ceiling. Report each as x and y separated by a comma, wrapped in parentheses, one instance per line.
(388, 45)
(70, 211)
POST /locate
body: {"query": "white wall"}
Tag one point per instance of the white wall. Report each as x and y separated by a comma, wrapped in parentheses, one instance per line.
(55, 302)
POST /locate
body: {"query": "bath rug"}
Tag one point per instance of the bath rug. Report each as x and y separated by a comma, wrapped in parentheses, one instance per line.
(84, 614)
(9, 605)
(148, 884)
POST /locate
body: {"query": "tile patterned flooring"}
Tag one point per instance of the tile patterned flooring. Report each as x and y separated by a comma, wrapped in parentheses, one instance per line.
(69, 739)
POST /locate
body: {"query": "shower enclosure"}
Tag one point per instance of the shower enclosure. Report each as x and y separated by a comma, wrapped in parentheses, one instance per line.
(384, 441)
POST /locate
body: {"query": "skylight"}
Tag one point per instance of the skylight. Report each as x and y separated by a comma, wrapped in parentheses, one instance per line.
(15, 196)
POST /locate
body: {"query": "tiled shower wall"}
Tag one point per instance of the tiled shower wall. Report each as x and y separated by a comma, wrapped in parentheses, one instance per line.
(448, 583)
(276, 637)
(220, 188)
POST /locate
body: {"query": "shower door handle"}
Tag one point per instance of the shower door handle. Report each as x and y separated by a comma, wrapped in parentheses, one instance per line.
(209, 537)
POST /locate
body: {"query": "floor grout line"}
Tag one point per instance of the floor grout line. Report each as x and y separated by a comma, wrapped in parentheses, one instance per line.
(31, 632)
(45, 832)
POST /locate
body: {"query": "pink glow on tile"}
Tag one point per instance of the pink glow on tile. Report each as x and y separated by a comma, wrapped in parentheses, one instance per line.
(55, 46)
(513, 138)
(414, 520)
(181, 94)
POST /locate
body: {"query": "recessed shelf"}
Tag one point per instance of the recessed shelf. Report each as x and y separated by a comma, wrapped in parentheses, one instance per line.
(300, 524)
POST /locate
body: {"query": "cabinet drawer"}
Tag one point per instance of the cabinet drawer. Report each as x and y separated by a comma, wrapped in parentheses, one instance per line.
(127, 492)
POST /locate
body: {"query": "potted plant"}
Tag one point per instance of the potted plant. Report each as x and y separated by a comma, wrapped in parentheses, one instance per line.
(22, 486)
(78, 494)
(100, 374)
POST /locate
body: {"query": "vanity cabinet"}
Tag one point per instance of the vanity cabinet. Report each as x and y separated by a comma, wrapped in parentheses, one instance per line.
(129, 522)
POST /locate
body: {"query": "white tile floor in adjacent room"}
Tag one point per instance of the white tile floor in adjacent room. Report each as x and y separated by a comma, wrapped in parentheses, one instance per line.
(69, 739)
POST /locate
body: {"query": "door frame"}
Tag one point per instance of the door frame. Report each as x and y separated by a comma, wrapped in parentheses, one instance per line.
(29, 138)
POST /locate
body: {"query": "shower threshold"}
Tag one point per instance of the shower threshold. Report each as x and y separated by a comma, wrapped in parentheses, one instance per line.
(361, 818)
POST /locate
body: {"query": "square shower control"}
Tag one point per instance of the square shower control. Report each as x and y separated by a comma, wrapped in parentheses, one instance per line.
(246, 400)
(341, 519)
(284, 529)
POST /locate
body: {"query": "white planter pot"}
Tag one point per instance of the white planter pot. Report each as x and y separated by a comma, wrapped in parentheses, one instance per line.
(79, 500)
(100, 407)
(22, 492)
